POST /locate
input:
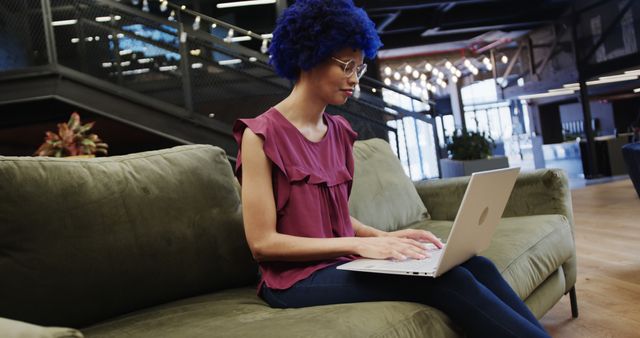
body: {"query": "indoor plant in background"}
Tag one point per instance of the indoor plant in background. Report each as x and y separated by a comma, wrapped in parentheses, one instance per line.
(72, 139)
(469, 152)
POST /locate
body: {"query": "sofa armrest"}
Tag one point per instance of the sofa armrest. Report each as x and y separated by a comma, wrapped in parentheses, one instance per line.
(544, 191)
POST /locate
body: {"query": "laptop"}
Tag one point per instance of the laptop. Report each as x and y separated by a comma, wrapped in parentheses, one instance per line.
(481, 209)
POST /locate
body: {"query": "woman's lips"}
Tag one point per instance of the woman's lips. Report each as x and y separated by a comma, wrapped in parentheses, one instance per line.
(347, 92)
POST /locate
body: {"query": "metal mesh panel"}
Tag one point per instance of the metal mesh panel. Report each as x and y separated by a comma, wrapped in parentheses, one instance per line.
(22, 38)
(121, 47)
(228, 84)
(619, 19)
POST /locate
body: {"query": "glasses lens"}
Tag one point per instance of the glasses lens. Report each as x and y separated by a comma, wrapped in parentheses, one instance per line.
(349, 68)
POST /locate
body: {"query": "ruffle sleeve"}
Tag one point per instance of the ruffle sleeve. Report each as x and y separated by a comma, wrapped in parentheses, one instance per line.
(352, 135)
(260, 127)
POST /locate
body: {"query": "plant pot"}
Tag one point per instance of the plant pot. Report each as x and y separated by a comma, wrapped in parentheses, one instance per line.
(454, 168)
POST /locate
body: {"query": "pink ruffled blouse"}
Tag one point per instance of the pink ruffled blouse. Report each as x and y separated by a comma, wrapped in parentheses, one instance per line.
(311, 185)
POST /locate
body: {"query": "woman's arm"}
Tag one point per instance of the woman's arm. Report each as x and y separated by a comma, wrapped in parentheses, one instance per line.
(266, 244)
(363, 230)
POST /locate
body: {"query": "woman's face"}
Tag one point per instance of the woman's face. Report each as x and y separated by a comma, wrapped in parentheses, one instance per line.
(329, 81)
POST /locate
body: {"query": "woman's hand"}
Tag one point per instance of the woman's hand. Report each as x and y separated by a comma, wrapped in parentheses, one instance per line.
(418, 235)
(391, 247)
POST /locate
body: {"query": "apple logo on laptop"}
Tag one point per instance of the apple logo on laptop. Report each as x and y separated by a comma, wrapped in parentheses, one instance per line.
(483, 216)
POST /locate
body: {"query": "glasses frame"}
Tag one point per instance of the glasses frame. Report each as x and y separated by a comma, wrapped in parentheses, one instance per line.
(358, 70)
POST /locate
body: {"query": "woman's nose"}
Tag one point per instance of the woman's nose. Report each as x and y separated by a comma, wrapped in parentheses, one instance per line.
(353, 79)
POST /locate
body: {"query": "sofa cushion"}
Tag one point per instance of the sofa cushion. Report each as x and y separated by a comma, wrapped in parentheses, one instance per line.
(239, 313)
(382, 195)
(525, 249)
(82, 240)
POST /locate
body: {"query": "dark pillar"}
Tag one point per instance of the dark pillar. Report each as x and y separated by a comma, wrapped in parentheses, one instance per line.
(589, 156)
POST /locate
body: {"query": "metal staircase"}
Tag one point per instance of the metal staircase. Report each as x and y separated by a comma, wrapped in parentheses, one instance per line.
(169, 70)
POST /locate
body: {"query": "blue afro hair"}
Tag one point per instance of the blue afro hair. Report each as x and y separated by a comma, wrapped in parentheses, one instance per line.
(310, 31)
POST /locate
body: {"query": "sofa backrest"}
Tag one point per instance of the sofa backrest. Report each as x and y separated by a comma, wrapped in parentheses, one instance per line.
(85, 240)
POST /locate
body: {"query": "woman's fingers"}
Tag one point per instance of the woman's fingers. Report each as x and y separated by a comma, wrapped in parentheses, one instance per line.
(425, 236)
(414, 249)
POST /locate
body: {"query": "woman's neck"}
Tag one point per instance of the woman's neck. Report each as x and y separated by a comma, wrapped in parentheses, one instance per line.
(302, 107)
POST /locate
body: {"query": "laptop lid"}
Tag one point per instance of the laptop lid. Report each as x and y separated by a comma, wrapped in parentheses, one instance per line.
(481, 209)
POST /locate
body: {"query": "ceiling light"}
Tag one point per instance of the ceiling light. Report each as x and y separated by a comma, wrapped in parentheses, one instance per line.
(229, 62)
(387, 70)
(387, 81)
(163, 5)
(454, 79)
(609, 79)
(245, 3)
(64, 22)
(416, 74)
(637, 90)
(504, 59)
(428, 67)
(408, 69)
(196, 23)
(548, 94)
(241, 38)
(135, 71)
(396, 76)
(167, 68)
(448, 64)
(405, 79)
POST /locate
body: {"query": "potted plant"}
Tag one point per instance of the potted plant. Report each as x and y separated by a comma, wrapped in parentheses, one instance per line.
(469, 152)
(72, 139)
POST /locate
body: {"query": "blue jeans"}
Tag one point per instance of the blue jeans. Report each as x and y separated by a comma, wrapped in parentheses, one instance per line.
(474, 295)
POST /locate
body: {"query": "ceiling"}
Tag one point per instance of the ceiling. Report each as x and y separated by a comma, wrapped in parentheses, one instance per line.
(409, 27)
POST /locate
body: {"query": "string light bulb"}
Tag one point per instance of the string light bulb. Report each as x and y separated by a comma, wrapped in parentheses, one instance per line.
(164, 5)
(145, 5)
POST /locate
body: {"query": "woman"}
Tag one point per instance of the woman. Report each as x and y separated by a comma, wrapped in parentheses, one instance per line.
(295, 165)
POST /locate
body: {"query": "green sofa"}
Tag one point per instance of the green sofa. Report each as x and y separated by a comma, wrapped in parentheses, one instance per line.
(151, 245)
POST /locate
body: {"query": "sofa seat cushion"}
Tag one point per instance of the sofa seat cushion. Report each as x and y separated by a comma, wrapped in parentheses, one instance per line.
(525, 249)
(240, 313)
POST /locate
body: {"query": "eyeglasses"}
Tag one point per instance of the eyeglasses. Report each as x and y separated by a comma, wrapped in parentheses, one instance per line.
(349, 67)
